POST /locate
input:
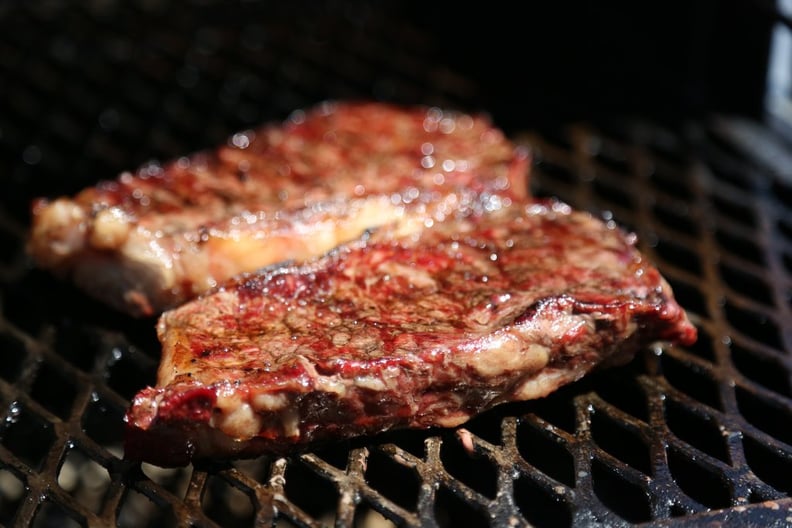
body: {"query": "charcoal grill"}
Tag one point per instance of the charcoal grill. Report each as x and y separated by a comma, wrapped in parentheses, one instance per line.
(680, 436)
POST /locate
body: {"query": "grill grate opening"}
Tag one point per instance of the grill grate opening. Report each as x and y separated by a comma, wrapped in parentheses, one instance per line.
(766, 369)
(732, 211)
(704, 348)
(123, 369)
(226, 503)
(691, 379)
(700, 483)
(102, 422)
(27, 435)
(54, 391)
(677, 510)
(309, 491)
(12, 493)
(393, 480)
(769, 415)
(697, 428)
(770, 465)
(366, 516)
(557, 410)
(670, 251)
(170, 480)
(540, 507)
(671, 183)
(475, 471)
(72, 341)
(781, 191)
(739, 180)
(545, 451)
(610, 156)
(613, 195)
(746, 284)
(337, 455)
(84, 479)
(451, 510)
(738, 247)
(14, 355)
(753, 324)
(487, 426)
(138, 509)
(786, 228)
(623, 497)
(613, 436)
(676, 217)
(689, 297)
(53, 514)
(556, 173)
(622, 390)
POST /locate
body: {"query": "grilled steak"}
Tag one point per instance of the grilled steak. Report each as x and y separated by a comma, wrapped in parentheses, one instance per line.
(417, 330)
(153, 239)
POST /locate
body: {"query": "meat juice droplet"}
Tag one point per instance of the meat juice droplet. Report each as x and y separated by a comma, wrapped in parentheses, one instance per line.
(447, 125)
(297, 117)
(13, 413)
(240, 140)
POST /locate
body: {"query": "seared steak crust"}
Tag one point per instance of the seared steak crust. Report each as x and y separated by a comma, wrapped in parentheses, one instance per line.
(418, 330)
(153, 239)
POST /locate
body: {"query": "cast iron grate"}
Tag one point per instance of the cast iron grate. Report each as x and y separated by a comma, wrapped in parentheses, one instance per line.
(681, 434)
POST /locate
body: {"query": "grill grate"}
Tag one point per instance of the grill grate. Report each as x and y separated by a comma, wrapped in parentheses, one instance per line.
(677, 436)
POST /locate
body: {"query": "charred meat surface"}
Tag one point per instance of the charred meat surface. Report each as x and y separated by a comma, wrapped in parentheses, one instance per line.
(151, 240)
(417, 330)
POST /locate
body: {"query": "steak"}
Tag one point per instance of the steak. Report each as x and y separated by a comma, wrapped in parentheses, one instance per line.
(151, 240)
(400, 330)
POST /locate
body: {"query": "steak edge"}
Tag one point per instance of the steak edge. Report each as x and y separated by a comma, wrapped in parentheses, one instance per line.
(151, 240)
(394, 331)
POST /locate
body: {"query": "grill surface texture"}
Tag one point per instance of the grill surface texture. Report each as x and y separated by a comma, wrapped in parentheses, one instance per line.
(679, 436)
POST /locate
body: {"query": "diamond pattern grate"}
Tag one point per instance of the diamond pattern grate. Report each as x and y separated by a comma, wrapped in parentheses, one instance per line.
(681, 435)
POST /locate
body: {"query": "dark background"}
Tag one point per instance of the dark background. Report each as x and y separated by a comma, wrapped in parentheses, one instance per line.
(565, 60)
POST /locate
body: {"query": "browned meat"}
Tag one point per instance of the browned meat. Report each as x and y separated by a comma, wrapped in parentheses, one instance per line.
(153, 239)
(420, 330)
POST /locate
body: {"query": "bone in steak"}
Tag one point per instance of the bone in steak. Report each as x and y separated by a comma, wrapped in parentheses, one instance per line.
(153, 239)
(395, 331)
